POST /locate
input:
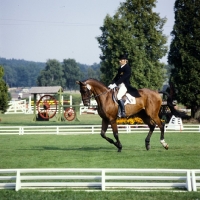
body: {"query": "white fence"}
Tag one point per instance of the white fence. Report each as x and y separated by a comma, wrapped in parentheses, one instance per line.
(103, 179)
(87, 129)
(18, 106)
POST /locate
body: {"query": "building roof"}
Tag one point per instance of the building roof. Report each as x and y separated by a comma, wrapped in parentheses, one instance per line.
(45, 90)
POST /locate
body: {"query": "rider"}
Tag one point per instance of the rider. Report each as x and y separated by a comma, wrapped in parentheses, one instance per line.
(122, 80)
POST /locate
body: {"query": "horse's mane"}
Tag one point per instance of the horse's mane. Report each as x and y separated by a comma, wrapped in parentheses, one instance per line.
(95, 80)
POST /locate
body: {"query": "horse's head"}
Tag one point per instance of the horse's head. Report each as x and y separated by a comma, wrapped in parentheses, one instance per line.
(85, 90)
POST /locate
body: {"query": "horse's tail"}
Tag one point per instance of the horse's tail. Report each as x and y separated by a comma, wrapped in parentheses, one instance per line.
(174, 112)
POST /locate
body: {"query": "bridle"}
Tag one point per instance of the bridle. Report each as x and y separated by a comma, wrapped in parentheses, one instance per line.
(99, 94)
(93, 96)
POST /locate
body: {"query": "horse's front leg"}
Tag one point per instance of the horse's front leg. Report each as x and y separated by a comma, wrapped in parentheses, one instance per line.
(104, 128)
(115, 133)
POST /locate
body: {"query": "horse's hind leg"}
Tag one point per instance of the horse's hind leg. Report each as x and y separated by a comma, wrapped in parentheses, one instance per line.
(115, 133)
(162, 132)
(147, 120)
(147, 139)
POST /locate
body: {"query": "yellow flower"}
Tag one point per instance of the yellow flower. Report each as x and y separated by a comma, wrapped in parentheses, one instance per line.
(132, 120)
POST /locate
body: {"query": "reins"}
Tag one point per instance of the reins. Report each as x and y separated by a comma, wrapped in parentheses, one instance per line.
(100, 94)
(92, 96)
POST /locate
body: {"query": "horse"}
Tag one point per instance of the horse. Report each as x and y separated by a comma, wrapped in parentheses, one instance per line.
(147, 107)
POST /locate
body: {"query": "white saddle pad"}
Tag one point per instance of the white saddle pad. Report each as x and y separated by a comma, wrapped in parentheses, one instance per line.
(130, 99)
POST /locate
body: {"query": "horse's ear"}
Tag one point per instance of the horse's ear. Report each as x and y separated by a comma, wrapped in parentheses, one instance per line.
(80, 83)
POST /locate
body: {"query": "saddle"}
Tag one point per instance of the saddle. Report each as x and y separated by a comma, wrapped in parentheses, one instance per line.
(127, 98)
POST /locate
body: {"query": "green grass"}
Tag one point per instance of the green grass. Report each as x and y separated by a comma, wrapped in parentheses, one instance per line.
(27, 120)
(92, 151)
(69, 195)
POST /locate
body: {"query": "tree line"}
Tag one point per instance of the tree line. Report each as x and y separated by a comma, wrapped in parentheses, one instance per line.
(22, 73)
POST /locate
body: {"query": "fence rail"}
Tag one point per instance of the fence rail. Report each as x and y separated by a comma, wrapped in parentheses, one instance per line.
(87, 129)
(102, 179)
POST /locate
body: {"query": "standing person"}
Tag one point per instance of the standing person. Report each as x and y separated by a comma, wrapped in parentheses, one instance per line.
(122, 80)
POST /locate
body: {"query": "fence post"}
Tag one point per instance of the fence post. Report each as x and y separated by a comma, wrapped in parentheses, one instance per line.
(103, 188)
(188, 182)
(21, 130)
(194, 186)
(127, 128)
(18, 181)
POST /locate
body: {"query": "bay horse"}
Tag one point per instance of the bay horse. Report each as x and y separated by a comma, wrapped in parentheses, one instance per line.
(147, 107)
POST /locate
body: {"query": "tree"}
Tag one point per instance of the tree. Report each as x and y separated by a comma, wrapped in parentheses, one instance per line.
(10, 76)
(71, 73)
(35, 70)
(52, 75)
(4, 97)
(92, 71)
(184, 54)
(96, 70)
(23, 76)
(18, 73)
(137, 30)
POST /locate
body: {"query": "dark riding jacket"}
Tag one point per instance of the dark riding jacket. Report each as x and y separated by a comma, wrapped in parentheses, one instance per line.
(123, 76)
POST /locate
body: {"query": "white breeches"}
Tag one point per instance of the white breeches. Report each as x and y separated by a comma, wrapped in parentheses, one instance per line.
(122, 91)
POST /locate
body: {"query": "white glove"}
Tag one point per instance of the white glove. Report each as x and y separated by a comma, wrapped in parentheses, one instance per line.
(111, 86)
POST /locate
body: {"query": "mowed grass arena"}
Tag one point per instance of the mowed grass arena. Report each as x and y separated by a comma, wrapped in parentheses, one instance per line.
(91, 151)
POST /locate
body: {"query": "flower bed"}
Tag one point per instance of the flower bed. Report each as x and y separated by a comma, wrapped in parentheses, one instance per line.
(132, 120)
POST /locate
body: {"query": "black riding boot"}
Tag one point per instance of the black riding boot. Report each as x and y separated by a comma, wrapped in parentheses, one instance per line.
(121, 105)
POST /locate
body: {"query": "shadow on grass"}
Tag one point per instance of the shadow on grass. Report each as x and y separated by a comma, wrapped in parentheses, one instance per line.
(53, 148)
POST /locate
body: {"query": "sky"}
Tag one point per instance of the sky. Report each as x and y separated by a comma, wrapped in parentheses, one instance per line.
(38, 30)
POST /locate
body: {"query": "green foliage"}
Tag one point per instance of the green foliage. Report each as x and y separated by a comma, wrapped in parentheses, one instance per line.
(20, 73)
(137, 30)
(184, 54)
(92, 71)
(52, 75)
(71, 73)
(4, 95)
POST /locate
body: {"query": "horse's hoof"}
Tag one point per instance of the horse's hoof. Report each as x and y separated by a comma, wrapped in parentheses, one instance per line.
(120, 149)
(148, 147)
(167, 147)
